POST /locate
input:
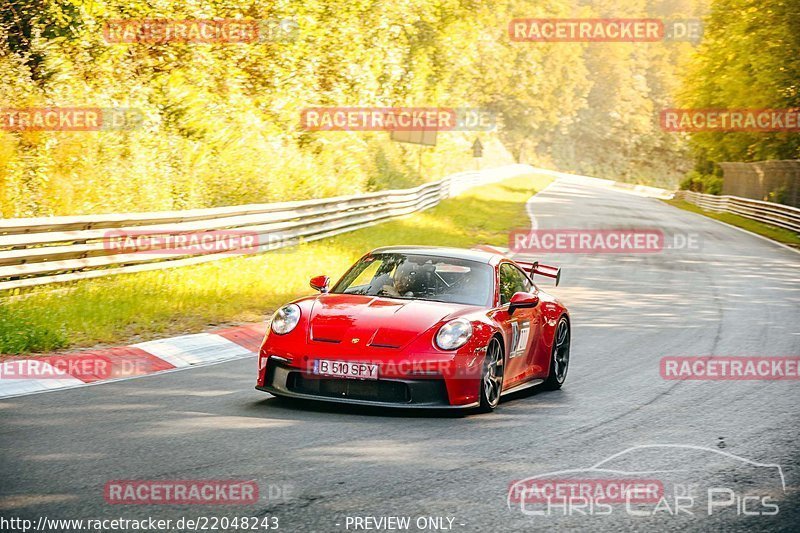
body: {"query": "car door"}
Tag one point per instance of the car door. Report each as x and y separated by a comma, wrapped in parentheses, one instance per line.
(519, 328)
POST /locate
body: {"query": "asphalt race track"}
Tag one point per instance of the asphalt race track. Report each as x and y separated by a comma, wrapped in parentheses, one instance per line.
(318, 466)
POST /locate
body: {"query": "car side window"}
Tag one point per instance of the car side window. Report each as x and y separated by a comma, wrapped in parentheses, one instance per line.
(512, 280)
(526, 281)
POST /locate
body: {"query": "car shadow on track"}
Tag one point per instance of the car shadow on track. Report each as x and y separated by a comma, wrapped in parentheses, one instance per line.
(521, 395)
(294, 405)
(288, 405)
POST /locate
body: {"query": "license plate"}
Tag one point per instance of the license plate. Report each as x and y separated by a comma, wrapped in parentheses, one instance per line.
(345, 369)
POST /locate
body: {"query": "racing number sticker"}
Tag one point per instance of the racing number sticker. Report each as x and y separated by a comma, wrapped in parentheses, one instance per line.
(519, 338)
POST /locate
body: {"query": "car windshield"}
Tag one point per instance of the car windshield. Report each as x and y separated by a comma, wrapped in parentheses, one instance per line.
(419, 277)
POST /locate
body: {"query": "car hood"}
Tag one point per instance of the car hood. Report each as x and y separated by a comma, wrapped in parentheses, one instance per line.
(377, 322)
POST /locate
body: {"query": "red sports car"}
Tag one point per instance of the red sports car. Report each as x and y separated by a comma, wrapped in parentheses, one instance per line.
(418, 326)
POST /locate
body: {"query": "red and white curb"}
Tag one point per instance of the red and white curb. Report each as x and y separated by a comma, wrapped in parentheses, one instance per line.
(33, 374)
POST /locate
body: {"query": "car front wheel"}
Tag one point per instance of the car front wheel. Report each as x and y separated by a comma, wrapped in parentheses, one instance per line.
(492, 376)
(559, 363)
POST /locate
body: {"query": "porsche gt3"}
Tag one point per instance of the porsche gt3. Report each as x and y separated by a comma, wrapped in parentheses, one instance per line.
(417, 326)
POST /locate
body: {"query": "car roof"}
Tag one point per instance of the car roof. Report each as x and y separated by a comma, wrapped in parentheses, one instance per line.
(479, 256)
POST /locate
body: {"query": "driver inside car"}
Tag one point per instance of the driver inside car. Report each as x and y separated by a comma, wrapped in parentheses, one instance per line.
(404, 277)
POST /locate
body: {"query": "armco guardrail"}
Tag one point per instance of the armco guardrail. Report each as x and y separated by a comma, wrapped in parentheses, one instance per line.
(780, 215)
(38, 251)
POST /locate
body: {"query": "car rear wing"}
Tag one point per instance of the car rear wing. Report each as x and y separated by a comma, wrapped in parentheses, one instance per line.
(531, 267)
(535, 267)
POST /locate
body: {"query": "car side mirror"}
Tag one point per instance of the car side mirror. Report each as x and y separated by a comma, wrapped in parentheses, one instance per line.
(320, 283)
(522, 300)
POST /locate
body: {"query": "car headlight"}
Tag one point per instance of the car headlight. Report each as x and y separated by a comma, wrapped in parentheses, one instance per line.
(454, 334)
(285, 319)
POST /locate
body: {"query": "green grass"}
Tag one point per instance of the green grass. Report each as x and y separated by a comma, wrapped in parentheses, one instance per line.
(136, 307)
(771, 232)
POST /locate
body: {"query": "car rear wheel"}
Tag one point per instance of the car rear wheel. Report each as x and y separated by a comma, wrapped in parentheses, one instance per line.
(559, 363)
(492, 376)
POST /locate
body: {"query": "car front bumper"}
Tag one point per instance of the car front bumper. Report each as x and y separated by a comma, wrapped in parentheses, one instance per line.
(431, 393)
